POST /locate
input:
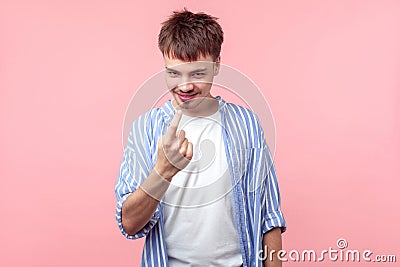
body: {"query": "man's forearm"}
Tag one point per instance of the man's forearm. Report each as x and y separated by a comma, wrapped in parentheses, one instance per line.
(272, 243)
(174, 154)
(140, 206)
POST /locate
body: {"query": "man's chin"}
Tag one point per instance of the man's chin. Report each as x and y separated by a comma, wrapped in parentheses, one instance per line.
(201, 106)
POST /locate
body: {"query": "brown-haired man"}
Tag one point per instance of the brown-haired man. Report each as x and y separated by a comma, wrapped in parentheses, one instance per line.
(188, 173)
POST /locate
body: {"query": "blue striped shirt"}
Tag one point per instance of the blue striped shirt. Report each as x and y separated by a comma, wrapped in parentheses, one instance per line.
(255, 187)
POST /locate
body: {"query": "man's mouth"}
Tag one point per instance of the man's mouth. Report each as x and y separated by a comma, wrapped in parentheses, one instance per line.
(185, 98)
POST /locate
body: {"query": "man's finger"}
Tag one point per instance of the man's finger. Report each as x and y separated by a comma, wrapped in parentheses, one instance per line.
(181, 137)
(189, 151)
(183, 147)
(173, 126)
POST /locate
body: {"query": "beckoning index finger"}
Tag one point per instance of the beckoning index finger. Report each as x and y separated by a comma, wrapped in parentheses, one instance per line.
(173, 126)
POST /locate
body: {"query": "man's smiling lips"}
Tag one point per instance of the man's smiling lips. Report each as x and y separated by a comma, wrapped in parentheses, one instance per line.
(185, 98)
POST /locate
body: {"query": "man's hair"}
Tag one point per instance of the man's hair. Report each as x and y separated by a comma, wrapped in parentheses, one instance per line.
(187, 36)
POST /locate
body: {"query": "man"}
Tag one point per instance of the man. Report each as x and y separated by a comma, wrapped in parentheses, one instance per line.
(196, 176)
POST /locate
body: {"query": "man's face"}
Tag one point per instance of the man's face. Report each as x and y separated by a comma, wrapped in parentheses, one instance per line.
(190, 82)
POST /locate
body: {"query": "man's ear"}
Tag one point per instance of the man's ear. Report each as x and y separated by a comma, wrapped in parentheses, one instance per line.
(217, 65)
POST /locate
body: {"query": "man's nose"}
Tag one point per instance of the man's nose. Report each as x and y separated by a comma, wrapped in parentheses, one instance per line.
(185, 87)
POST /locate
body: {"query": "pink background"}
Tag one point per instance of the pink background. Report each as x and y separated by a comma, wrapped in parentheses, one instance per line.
(329, 69)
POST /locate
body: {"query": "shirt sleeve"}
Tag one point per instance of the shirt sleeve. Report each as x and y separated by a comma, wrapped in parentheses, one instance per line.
(271, 201)
(134, 168)
(272, 215)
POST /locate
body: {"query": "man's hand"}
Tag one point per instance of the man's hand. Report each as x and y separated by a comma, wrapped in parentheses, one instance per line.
(174, 150)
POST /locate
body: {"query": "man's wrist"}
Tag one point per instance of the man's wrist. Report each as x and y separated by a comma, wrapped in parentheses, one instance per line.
(164, 172)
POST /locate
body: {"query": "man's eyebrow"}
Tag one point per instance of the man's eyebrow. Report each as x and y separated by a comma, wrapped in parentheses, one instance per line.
(198, 70)
(193, 71)
(169, 69)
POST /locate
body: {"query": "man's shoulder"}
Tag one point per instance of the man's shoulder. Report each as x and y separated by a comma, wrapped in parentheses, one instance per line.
(239, 112)
(243, 123)
(236, 107)
(149, 125)
(155, 114)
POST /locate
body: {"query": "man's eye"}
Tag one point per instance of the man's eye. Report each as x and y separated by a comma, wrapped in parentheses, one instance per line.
(198, 74)
(172, 73)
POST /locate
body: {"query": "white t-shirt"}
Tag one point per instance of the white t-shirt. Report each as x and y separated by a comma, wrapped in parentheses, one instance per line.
(199, 216)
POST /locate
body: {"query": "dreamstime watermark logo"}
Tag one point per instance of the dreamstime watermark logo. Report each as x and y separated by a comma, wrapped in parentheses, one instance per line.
(233, 87)
(341, 253)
